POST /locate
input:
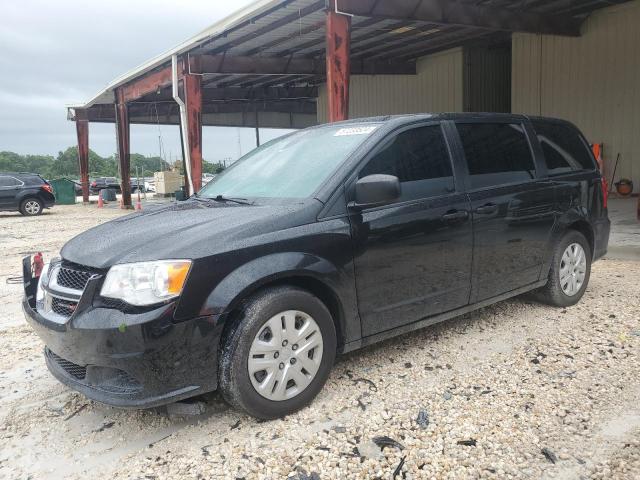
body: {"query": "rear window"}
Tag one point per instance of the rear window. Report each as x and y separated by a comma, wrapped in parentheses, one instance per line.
(496, 153)
(563, 147)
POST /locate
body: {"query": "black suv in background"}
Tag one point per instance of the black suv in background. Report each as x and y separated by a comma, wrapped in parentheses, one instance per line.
(317, 243)
(27, 193)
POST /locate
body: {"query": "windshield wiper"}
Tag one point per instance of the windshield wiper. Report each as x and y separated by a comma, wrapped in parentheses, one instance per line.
(223, 199)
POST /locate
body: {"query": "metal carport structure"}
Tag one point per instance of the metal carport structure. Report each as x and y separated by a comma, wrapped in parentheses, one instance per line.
(263, 66)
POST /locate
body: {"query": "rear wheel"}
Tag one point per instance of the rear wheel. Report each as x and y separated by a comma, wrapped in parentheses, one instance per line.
(277, 356)
(31, 207)
(569, 273)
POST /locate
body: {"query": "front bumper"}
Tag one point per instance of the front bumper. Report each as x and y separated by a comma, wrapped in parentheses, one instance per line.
(137, 360)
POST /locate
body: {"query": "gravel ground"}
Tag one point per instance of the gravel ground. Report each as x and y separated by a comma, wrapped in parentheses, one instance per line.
(516, 390)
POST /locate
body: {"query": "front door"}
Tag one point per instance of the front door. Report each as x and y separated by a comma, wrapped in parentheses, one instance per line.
(513, 211)
(413, 258)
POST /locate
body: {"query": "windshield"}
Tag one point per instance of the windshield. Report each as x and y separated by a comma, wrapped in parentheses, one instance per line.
(293, 166)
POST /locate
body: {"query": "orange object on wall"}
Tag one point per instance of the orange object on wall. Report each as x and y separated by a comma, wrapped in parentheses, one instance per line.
(597, 152)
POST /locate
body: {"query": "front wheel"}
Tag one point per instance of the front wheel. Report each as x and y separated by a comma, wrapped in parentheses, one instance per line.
(569, 273)
(278, 354)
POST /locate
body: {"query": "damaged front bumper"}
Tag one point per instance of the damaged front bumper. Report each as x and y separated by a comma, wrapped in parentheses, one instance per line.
(134, 360)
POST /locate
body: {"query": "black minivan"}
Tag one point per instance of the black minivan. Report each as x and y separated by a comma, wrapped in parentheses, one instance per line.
(318, 243)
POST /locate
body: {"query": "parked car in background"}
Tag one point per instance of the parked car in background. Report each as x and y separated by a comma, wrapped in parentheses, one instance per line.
(317, 243)
(207, 177)
(77, 186)
(27, 193)
(101, 183)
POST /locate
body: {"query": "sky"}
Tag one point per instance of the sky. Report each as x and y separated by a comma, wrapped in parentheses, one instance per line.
(55, 53)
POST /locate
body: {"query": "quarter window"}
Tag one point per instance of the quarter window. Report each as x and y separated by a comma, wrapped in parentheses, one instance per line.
(420, 159)
(564, 149)
(496, 153)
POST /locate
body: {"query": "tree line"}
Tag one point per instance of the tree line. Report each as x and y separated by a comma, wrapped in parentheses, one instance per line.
(65, 164)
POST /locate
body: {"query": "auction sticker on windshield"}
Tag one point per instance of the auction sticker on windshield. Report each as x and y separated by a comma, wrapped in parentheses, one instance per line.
(345, 132)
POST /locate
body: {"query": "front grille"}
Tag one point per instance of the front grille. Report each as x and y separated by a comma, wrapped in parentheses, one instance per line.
(72, 278)
(76, 371)
(62, 307)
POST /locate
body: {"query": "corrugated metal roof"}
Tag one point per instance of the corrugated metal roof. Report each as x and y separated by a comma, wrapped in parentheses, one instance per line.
(277, 28)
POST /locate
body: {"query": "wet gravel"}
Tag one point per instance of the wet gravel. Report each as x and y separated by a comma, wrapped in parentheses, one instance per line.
(516, 390)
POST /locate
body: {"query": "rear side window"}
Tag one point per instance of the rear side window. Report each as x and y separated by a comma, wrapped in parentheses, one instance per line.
(33, 180)
(563, 147)
(9, 182)
(420, 159)
(496, 153)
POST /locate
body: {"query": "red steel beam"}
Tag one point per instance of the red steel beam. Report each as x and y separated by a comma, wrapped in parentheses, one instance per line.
(124, 148)
(82, 131)
(193, 102)
(338, 37)
(149, 83)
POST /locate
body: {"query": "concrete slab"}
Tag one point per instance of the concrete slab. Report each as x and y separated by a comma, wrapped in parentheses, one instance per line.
(624, 243)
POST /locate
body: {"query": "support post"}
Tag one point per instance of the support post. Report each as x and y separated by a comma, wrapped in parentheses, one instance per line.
(338, 38)
(82, 131)
(193, 102)
(124, 148)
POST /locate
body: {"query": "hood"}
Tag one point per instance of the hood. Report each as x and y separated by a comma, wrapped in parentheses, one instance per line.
(190, 230)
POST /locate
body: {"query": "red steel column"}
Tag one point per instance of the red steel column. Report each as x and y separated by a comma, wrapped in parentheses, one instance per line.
(338, 63)
(124, 150)
(82, 131)
(193, 102)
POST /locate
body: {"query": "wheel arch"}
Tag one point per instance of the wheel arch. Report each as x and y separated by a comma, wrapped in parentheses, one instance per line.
(25, 195)
(571, 221)
(304, 282)
(307, 272)
(585, 229)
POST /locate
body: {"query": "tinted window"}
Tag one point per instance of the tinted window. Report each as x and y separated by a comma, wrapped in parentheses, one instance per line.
(32, 180)
(420, 159)
(8, 182)
(563, 147)
(496, 153)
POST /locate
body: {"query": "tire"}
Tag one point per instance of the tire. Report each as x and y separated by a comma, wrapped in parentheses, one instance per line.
(555, 291)
(252, 329)
(31, 207)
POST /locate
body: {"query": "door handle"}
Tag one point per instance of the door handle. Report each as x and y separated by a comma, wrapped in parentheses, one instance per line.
(487, 209)
(455, 215)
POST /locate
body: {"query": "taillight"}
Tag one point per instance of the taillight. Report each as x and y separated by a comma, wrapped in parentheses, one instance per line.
(605, 192)
(47, 188)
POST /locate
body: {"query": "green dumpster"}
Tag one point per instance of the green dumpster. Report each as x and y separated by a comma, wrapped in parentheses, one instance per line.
(64, 190)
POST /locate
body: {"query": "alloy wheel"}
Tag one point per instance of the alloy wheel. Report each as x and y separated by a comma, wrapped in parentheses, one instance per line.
(285, 355)
(32, 207)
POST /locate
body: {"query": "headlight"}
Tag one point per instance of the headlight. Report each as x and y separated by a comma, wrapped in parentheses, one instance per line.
(146, 283)
(44, 280)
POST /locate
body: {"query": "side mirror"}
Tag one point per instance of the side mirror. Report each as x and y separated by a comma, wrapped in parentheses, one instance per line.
(376, 190)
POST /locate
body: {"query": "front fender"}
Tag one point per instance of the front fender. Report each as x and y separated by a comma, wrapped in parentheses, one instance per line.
(236, 286)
